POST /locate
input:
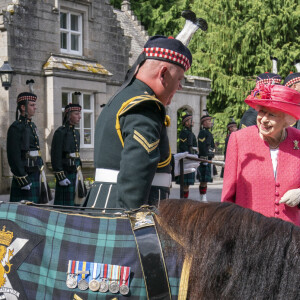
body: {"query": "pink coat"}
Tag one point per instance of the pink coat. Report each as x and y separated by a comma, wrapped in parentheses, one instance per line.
(249, 179)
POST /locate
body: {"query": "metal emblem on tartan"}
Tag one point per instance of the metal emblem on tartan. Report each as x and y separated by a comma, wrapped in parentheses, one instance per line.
(141, 219)
(16, 245)
(296, 145)
(5, 240)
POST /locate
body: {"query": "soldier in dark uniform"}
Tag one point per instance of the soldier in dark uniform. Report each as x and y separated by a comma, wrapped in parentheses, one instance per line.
(65, 159)
(206, 149)
(249, 117)
(293, 81)
(24, 155)
(187, 143)
(132, 153)
(231, 127)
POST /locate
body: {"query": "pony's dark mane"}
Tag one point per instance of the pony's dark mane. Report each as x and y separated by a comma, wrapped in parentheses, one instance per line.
(237, 253)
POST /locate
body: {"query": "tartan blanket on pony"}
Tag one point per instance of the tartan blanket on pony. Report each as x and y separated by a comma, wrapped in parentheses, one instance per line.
(38, 245)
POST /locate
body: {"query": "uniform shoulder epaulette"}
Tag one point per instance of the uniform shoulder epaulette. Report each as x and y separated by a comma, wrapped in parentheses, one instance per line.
(141, 100)
(131, 104)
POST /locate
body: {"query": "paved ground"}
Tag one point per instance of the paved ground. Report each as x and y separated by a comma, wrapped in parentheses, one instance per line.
(213, 192)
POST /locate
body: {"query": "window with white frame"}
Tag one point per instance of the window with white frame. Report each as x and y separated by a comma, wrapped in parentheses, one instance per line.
(86, 126)
(70, 33)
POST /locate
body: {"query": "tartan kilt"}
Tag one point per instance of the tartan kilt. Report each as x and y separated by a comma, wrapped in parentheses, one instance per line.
(64, 195)
(204, 173)
(44, 240)
(33, 195)
(188, 179)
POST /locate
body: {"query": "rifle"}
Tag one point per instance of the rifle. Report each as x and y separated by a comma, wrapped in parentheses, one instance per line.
(214, 162)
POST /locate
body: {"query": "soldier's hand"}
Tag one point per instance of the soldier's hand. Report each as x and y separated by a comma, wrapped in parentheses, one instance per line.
(64, 182)
(26, 187)
(189, 166)
(291, 197)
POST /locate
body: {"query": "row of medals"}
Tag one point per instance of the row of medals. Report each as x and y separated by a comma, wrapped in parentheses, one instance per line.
(95, 285)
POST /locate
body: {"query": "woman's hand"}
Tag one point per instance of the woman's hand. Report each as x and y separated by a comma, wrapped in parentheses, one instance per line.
(291, 197)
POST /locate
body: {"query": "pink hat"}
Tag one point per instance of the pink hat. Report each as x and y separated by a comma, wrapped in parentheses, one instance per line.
(276, 96)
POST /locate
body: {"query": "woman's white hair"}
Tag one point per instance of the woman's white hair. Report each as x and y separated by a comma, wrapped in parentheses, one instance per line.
(289, 120)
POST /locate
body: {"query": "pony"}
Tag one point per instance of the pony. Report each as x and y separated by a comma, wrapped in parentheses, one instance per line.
(233, 252)
(211, 251)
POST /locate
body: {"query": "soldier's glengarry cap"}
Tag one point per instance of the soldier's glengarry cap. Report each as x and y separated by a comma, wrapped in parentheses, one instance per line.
(204, 118)
(292, 79)
(231, 123)
(72, 107)
(26, 96)
(267, 78)
(168, 49)
(186, 117)
(276, 96)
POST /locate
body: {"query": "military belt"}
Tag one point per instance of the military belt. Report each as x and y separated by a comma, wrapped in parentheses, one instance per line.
(32, 154)
(111, 176)
(73, 155)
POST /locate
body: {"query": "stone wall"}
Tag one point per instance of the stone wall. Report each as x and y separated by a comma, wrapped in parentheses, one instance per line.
(31, 39)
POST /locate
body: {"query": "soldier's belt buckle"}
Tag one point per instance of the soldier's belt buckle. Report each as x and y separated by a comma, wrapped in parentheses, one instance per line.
(73, 155)
(33, 154)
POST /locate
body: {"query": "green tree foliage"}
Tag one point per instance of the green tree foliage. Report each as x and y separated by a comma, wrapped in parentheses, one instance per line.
(241, 37)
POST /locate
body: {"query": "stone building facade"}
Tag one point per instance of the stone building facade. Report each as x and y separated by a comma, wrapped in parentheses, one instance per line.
(74, 45)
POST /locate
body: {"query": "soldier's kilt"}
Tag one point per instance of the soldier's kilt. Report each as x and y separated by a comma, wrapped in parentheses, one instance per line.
(45, 240)
(188, 179)
(33, 195)
(64, 195)
(204, 173)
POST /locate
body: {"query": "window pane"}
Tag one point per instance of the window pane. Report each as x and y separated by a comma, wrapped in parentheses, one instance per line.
(74, 23)
(86, 102)
(64, 98)
(63, 20)
(87, 120)
(87, 136)
(74, 42)
(63, 40)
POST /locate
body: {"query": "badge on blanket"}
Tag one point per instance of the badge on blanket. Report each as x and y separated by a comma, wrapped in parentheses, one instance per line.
(15, 246)
(296, 145)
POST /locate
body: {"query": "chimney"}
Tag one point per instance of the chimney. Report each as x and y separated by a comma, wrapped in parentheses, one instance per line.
(125, 6)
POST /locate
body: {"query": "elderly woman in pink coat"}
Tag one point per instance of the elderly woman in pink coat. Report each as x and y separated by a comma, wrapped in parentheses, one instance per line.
(263, 161)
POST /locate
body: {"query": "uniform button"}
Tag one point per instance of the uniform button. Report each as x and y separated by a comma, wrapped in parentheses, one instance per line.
(277, 184)
(276, 210)
(277, 201)
(277, 193)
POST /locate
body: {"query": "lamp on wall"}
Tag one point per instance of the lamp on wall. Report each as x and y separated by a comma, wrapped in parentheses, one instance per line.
(6, 75)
